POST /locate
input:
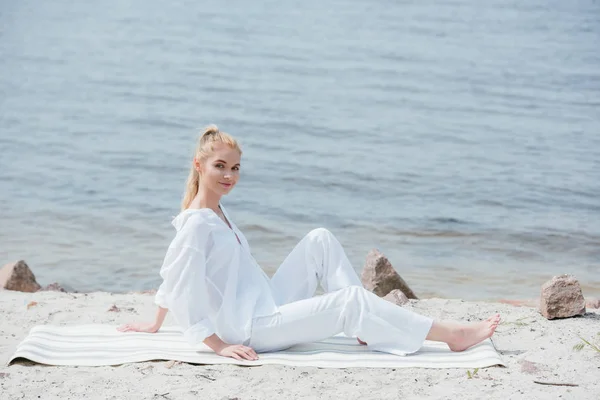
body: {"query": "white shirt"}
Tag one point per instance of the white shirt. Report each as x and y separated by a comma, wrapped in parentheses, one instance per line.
(211, 282)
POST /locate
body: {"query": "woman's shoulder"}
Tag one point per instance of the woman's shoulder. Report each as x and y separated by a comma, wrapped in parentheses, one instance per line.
(194, 226)
(192, 218)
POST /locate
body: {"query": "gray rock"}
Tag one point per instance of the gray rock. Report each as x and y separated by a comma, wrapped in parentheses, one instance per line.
(397, 297)
(379, 276)
(17, 276)
(562, 298)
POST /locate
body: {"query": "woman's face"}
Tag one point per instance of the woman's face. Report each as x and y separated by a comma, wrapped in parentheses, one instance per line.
(221, 170)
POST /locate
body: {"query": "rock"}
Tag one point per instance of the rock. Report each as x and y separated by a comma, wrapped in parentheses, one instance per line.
(379, 276)
(17, 276)
(592, 302)
(397, 297)
(562, 298)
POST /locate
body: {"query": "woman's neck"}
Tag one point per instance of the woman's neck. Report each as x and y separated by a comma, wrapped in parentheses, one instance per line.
(206, 199)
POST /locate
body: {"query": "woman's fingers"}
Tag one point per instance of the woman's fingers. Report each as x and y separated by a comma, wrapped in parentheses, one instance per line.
(129, 328)
(243, 353)
(251, 354)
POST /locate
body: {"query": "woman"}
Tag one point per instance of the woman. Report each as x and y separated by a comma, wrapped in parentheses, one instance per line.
(220, 296)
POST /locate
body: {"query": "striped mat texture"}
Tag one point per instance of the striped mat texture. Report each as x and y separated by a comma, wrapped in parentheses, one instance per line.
(97, 345)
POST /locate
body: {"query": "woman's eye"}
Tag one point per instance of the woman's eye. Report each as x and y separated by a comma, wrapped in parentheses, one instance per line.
(219, 165)
(236, 168)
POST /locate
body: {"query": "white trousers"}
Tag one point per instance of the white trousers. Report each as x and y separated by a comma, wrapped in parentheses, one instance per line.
(345, 307)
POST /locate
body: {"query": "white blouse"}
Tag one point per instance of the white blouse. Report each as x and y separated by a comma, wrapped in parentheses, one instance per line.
(211, 282)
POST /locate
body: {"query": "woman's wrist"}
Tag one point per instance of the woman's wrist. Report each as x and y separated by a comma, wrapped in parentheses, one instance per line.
(215, 343)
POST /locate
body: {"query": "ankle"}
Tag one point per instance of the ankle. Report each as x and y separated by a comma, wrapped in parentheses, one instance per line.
(458, 332)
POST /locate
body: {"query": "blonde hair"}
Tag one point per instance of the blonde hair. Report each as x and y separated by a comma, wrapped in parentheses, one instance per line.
(204, 147)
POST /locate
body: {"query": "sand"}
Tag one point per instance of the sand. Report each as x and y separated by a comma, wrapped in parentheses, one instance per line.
(533, 348)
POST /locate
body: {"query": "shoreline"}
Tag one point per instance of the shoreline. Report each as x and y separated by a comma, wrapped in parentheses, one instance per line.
(533, 348)
(518, 301)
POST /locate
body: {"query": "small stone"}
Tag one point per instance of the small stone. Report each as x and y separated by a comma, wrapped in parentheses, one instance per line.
(171, 363)
(380, 277)
(53, 287)
(397, 297)
(562, 298)
(114, 308)
(17, 276)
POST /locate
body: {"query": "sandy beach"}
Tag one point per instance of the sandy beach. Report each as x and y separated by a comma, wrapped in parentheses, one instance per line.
(533, 348)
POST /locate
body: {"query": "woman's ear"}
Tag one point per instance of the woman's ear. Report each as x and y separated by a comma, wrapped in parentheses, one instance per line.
(197, 165)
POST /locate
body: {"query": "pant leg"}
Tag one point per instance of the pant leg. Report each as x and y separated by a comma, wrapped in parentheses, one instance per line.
(318, 257)
(352, 310)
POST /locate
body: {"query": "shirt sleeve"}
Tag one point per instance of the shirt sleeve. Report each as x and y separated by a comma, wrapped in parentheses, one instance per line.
(183, 291)
(160, 296)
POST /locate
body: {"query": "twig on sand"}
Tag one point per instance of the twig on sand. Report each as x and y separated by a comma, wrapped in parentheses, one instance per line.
(210, 378)
(555, 383)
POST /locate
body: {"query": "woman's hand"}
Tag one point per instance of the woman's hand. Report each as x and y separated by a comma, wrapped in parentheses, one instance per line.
(139, 327)
(237, 351)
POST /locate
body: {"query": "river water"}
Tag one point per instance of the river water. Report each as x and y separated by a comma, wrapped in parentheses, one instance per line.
(460, 138)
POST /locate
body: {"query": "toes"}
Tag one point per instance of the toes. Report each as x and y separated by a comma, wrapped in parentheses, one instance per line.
(494, 319)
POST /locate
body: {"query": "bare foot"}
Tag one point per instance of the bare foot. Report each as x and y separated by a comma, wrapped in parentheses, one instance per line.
(361, 342)
(465, 336)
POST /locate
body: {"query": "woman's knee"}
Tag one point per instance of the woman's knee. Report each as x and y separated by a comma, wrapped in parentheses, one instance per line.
(354, 294)
(319, 233)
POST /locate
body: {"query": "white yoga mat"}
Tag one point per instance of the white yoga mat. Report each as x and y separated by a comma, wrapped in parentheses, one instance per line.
(96, 345)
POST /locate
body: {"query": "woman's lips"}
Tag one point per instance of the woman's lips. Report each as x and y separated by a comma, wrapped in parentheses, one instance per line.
(226, 185)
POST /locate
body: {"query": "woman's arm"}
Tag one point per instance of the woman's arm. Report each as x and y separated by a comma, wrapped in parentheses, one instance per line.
(161, 313)
(221, 348)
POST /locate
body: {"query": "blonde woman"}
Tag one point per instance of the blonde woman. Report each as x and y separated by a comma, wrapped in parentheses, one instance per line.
(221, 297)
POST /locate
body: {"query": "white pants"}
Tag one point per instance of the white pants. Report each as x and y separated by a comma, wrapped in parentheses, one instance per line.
(345, 307)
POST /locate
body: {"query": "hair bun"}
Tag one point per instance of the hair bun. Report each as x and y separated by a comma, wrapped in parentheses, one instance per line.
(208, 131)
